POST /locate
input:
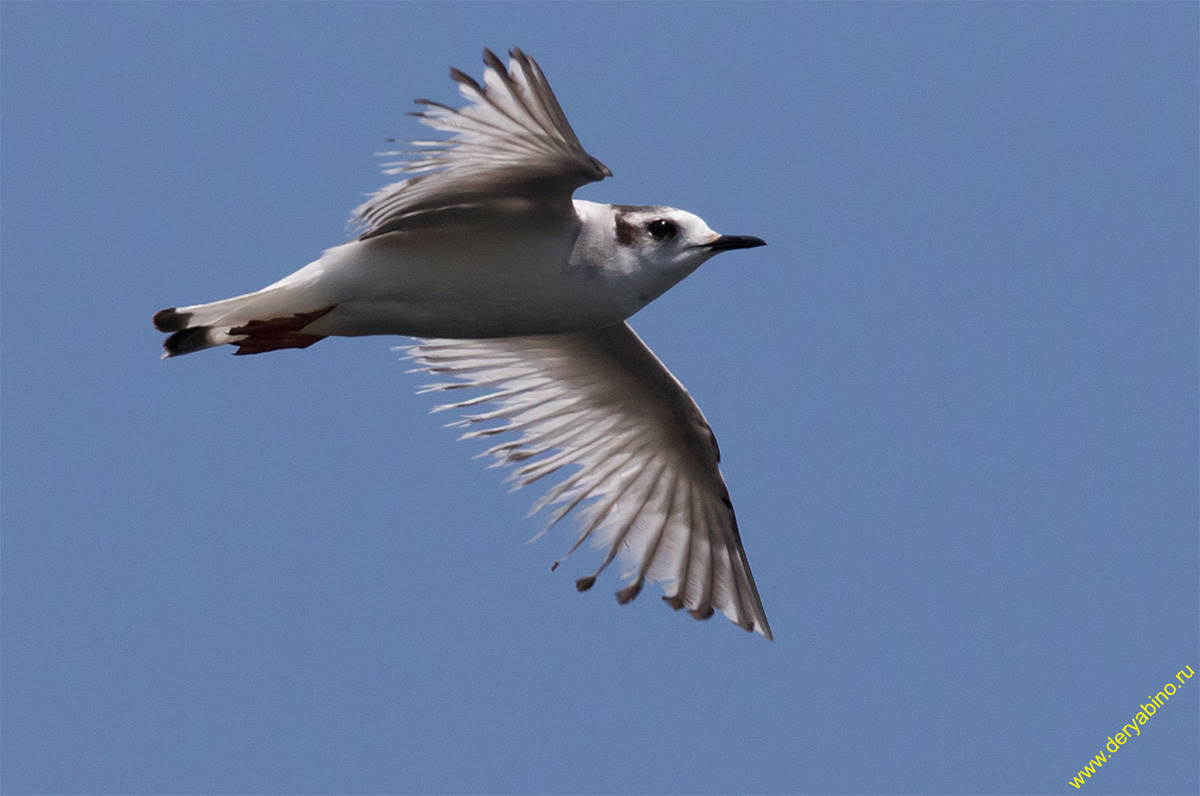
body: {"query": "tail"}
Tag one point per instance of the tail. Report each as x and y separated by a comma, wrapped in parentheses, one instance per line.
(255, 323)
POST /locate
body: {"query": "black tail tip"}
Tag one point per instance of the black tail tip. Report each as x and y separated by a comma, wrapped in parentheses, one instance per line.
(186, 341)
(171, 320)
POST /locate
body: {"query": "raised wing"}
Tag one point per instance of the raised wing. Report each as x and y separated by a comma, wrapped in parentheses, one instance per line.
(647, 483)
(512, 142)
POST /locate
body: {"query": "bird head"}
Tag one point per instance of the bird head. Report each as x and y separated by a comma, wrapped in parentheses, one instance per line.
(662, 245)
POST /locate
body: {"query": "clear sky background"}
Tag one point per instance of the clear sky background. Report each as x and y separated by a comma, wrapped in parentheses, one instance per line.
(956, 397)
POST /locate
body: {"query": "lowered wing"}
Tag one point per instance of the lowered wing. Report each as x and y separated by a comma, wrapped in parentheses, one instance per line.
(640, 460)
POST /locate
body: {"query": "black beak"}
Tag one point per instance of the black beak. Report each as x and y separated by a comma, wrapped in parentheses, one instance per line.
(727, 242)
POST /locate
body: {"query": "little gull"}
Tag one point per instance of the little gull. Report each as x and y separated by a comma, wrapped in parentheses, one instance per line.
(512, 286)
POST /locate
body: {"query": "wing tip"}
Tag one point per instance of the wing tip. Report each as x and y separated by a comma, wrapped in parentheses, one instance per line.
(462, 78)
(492, 61)
(630, 592)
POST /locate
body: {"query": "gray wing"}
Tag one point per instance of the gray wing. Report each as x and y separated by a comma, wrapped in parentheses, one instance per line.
(645, 479)
(511, 147)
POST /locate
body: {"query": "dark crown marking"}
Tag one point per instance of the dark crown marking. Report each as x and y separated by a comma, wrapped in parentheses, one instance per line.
(627, 231)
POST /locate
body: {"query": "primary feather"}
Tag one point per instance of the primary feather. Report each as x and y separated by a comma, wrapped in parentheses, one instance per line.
(646, 480)
(511, 142)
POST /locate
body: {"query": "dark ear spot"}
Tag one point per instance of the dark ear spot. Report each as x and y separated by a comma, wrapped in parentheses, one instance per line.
(626, 232)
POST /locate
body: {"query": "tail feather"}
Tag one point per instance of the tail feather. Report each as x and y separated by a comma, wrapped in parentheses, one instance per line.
(184, 338)
(185, 335)
(171, 320)
(265, 320)
(185, 341)
(253, 322)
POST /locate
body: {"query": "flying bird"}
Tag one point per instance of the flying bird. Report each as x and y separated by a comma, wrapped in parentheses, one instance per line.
(511, 286)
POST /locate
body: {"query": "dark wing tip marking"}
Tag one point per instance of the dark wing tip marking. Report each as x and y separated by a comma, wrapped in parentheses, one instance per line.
(585, 583)
(459, 76)
(490, 59)
(631, 591)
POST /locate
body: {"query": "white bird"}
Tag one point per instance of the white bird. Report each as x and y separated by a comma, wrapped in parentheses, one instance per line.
(512, 286)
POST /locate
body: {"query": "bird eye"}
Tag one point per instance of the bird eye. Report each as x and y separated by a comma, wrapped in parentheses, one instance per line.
(661, 229)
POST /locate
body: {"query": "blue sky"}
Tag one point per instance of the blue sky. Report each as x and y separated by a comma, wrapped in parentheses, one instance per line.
(956, 398)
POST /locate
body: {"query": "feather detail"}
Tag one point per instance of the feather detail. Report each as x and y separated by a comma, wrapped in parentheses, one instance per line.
(646, 484)
(509, 148)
